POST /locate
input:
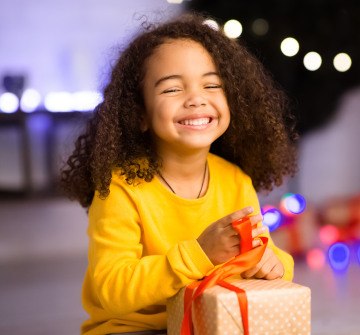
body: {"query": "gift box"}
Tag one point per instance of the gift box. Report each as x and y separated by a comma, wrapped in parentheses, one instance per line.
(274, 307)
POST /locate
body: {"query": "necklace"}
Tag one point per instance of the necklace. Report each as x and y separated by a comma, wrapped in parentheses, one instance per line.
(202, 183)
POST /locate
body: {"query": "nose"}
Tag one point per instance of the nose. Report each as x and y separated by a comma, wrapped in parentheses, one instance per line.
(195, 99)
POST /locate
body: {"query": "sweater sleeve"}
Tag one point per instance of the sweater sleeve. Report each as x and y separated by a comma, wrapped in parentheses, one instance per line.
(285, 258)
(123, 279)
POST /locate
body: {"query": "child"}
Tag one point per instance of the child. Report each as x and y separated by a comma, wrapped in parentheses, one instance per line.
(160, 204)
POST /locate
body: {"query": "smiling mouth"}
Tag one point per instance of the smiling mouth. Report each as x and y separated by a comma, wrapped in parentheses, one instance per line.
(196, 122)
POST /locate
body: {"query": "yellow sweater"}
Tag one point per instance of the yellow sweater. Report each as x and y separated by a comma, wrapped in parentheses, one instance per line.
(143, 248)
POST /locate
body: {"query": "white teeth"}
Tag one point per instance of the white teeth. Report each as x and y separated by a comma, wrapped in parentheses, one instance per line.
(196, 122)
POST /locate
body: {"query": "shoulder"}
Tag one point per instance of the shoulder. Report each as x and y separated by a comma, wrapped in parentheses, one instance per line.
(122, 196)
(119, 188)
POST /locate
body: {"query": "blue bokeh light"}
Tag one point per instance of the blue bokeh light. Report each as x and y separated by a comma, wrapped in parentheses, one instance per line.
(272, 217)
(293, 203)
(339, 256)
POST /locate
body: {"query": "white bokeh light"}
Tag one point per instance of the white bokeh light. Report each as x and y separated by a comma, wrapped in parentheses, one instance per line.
(84, 101)
(175, 1)
(212, 24)
(30, 100)
(289, 46)
(312, 61)
(9, 102)
(232, 29)
(58, 102)
(342, 62)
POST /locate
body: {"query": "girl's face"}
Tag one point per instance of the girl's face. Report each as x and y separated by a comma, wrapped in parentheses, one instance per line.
(186, 107)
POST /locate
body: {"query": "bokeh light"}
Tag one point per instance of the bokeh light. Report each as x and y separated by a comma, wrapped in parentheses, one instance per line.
(328, 234)
(84, 101)
(339, 256)
(9, 102)
(272, 217)
(292, 204)
(289, 46)
(81, 101)
(260, 27)
(342, 62)
(212, 24)
(58, 102)
(233, 28)
(312, 61)
(315, 258)
(30, 100)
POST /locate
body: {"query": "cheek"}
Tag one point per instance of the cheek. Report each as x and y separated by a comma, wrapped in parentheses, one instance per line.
(226, 111)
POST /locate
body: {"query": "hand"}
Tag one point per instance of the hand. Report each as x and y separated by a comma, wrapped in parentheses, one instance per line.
(221, 242)
(269, 267)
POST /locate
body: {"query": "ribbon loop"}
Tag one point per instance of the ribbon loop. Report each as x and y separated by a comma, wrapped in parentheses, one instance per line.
(247, 259)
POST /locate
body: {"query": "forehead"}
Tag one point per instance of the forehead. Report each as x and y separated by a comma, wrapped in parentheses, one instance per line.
(178, 54)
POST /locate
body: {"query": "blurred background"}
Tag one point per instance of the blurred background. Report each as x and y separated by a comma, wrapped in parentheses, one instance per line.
(55, 58)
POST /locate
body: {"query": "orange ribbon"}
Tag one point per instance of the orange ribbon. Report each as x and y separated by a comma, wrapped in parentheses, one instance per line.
(247, 259)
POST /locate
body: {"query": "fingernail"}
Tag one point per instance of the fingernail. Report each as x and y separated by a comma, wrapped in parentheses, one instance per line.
(249, 209)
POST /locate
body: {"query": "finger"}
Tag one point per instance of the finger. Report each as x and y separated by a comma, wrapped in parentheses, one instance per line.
(256, 242)
(258, 231)
(264, 271)
(227, 220)
(249, 273)
(264, 259)
(255, 219)
(276, 272)
(234, 241)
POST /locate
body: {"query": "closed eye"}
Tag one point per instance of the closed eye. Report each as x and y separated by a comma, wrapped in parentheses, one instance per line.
(213, 86)
(171, 90)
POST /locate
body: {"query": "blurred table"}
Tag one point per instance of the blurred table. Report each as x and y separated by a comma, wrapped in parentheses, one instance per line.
(21, 122)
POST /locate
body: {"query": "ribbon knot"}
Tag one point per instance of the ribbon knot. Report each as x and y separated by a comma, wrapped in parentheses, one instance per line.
(247, 259)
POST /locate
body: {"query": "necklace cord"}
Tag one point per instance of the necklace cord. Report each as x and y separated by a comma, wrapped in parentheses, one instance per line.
(172, 190)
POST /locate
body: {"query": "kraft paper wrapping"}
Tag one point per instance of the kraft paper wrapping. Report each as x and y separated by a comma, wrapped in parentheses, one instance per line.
(274, 307)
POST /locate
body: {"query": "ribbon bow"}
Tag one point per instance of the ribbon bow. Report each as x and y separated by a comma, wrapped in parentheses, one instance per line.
(247, 259)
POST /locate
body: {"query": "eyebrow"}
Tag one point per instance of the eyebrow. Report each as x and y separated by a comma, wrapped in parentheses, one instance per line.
(177, 76)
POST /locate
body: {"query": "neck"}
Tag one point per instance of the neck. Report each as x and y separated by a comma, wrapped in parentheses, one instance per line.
(183, 163)
(185, 176)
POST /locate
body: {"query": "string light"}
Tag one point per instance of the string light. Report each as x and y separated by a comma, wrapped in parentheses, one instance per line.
(233, 28)
(260, 27)
(289, 46)
(312, 61)
(58, 102)
(9, 102)
(30, 100)
(342, 62)
(84, 101)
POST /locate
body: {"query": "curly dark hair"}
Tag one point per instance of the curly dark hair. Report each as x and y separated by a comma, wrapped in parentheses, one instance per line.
(260, 139)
